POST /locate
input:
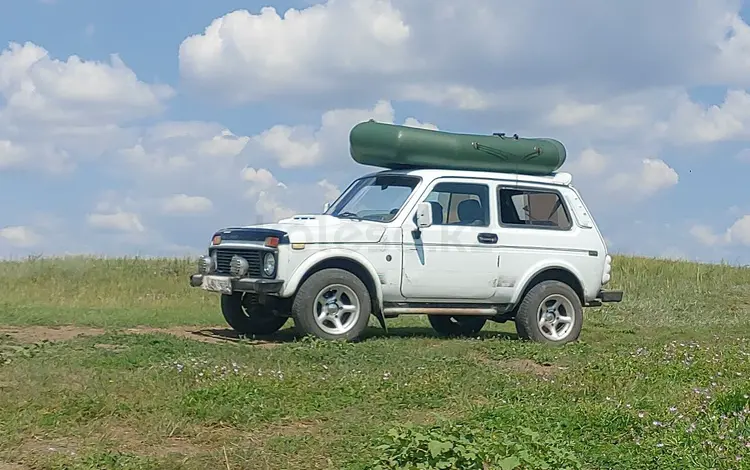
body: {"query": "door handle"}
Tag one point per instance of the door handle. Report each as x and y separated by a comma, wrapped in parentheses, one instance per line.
(487, 238)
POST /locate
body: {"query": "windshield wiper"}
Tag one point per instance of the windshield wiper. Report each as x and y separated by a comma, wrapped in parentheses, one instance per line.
(349, 215)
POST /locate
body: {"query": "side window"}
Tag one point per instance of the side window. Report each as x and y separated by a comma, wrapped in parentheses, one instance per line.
(460, 204)
(528, 207)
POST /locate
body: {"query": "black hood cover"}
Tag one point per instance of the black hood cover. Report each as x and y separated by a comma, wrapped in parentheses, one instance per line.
(251, 234)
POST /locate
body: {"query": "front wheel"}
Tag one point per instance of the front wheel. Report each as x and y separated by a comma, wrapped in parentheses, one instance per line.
(246, 316)
(551, 313)
(446, 325)
(332, 304)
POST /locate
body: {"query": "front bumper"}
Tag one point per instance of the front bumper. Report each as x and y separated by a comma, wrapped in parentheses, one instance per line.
(228, 284)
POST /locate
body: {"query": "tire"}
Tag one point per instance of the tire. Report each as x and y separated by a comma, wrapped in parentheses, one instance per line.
(528, 315)
(248, 317)
(456, 326)
(349, 290)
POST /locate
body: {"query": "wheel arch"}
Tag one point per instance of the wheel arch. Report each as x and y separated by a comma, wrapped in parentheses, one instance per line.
(551, 273)
(342, 259)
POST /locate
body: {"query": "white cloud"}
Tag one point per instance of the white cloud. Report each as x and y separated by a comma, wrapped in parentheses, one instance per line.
(706, 235)
(663, 116)
(119, 221)
(260, 180)
(275, 200)
(694, 123)
(291, 150)
(184, 204)
(248, 56)
(589, 163)
(11, 154)
(20, 236)
(34, 155)
(450, 96)
(268, 206)
(45, 90)
(440, 52)
(737, 234)
(184, 150)
(331, 192)
(268, 193)
(305, 146)
(57, 112)
(224, 144)
(653, 176)
(733, 62)
(629, 179)
(614, 114)
(412, 122)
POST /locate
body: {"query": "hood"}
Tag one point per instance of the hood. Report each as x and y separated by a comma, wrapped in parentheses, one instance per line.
(315, 228)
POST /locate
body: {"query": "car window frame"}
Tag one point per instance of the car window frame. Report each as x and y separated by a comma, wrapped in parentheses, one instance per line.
(350, 189)
(464, 181)
(533, 189)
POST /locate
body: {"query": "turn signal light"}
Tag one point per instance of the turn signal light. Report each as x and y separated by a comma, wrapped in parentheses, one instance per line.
(216, 240)
(272, 242)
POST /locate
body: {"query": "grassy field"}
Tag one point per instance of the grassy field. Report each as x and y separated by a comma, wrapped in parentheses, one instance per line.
(119, 364)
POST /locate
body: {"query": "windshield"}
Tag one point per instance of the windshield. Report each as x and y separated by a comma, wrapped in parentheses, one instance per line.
(377, 198)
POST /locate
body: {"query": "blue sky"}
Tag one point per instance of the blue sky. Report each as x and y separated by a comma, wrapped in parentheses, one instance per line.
(190, 128)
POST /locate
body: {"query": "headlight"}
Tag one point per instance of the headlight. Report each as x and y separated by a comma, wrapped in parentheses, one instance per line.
(269, 264)
(205, 265)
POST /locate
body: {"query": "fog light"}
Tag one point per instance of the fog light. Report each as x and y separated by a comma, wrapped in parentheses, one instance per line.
(238, 266)
(205, 265)
(269, 264)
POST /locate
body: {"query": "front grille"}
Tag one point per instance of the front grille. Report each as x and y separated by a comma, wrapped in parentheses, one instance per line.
(254, 259)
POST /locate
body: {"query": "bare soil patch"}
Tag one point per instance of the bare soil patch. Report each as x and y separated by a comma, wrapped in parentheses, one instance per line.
(121, 438)
(40, 446)
(208, 335)
(131, 440)
(11, 466)
(37, 334)
(527, 366)
(522, 366)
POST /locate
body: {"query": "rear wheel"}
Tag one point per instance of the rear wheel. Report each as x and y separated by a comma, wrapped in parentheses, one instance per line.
(456, 326)
(246, 316)
(551, 313)
(332, 304)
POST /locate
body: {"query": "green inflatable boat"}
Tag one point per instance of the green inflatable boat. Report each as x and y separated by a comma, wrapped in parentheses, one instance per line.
(396, 147)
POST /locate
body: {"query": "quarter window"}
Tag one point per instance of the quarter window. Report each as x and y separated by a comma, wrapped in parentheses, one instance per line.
(460, 204)
(527, 207)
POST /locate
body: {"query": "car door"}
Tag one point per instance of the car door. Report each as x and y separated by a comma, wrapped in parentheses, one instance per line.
(535, 227)
(453, 259)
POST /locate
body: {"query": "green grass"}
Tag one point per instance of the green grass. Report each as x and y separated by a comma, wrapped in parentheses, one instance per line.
(659, 381)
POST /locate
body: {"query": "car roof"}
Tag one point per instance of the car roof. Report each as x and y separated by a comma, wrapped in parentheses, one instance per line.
(557, 179)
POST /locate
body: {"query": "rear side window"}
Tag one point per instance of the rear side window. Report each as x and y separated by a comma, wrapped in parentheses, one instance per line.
(532, 208)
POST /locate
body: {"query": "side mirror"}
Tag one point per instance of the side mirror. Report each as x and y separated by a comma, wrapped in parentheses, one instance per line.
(424, 214)
(326, 206)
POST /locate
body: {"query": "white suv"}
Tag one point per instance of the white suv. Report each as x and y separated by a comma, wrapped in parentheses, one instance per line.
(462, 247)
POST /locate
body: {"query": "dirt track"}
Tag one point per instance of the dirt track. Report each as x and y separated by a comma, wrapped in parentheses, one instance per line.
(36, 334)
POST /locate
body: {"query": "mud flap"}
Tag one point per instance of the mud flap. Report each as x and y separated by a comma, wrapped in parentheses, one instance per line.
(381, 320)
